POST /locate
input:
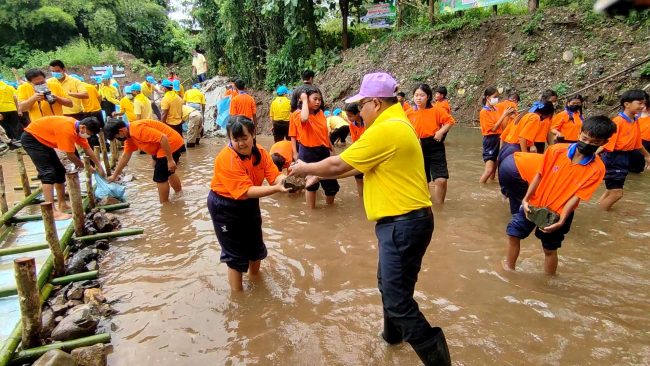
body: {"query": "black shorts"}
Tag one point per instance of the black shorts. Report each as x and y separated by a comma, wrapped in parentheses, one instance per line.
(540, 146)
(238, 225)
(508, 149)
(491, 147)
(280, 130)
(108, 107)
(313, 155)
(49, 167)
(160, 172)
(435, 159)
(617, 165)
(512, 185)
(11, 123)
(339, 134)
(520, 227)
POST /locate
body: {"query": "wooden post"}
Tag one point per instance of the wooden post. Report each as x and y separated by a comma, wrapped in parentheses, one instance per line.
(533, 5)
(77, 202)
(53, 238)
(30, 305)
(432, 12)
(115, 153)
(3, 197)
(89, 183)
(102, 144)
(24, 179)
(399, 16)
(494, 10)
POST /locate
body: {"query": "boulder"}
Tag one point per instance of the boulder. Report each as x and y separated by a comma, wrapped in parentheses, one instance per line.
(77, 264)
(55, 357)
(79, 323)
(294, 184)
(47, 322)
(90, 356)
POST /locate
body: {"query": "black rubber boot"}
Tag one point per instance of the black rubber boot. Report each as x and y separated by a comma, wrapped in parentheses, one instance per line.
(391, 334)
(434, 351)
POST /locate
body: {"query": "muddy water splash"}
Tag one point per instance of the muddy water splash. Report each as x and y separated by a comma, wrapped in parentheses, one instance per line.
(317, 301)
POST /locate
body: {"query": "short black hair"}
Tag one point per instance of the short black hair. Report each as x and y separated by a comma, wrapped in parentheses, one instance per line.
(240, 84)
(514, 95)
(599, 127)
(59, 63)
(547, 94)
(401, 94)
(92, 124)
(547, 110)
(633, 95)
(308, 74)
(33, 73)
(353, 108)
(112, 127)
(278, 160)
(442, 90)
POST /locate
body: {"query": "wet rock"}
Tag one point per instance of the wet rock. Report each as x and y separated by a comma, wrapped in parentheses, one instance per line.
(59, 298)
(101, 244)
(47, 322)
(75, 293)
(94, 296)
(79, 323)
(106, 310)
(108, 201)
(92, 266)
(542, 217)
(55, 357)
(58, 319)
(102, 223)
(72, 303)
(90, 356)
(294, 183)
(77, 263)
(59, 309)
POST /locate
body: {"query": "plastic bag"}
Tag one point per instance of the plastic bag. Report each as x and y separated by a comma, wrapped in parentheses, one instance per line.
(223, 106)
(105, 189)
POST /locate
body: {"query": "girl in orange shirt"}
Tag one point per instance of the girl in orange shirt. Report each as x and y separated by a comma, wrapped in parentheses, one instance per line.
(239, 171)
(567, 124)
(357, 128)
(492, 121)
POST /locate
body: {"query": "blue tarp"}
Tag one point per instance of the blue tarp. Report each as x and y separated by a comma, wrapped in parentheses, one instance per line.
(223, 108)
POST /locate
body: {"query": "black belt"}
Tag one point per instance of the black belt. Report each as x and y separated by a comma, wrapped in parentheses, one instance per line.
(415, 214)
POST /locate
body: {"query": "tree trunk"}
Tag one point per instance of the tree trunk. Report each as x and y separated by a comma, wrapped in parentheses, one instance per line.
(494, 10)
(398, 9)
(533, 5)
(345, 12)
(432, 11)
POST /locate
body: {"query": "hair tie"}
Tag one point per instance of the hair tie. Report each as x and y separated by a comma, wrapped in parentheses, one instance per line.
(537, 105)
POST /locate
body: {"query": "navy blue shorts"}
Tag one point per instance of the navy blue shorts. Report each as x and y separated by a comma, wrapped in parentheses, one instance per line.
(540, 146)
(617, 164)
(313, 155)
(160, 171)
(508, 149)
(520, 228)
(435, 159)
(512, 185)
(637, 161)
(491, 147)
(238, 225)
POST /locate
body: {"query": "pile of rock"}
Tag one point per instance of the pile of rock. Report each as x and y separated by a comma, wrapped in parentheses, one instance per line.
(98, 221)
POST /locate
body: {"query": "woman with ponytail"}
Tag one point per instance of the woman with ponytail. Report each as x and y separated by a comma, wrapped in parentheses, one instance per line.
(567, 124)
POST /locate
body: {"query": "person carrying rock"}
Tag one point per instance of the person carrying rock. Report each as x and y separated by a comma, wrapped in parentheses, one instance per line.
(240, 168)
(396, 196)
(569, 173)
(154, 138)
(44, 135)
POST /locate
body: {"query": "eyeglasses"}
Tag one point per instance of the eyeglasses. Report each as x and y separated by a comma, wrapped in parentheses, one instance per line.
(362, 103)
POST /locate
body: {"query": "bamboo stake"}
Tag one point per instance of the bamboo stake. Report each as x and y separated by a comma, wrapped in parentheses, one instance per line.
(22, 249)
(20, 188)
(27, 355)
(112, 234)
(53, 238)
(75, 199)
(115, 151)
(89, 183)
(15, 209)
(3, 197)
(30, 306)
(102, 145)
(24, 179)
(90, 275)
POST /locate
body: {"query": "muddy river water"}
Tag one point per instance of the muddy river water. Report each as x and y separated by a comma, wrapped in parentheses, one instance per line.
(317, 301)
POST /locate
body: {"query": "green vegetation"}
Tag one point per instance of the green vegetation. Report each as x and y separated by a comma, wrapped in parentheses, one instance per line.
(561, 88)
(533, 25)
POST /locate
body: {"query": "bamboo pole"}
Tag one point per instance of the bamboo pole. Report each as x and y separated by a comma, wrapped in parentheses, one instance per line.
(27, 355)
(22, 249)
(3, 197)
(20, 188)
(24, 178)
(30, 306)
(89, 183)
(115, 152)
(75, 199)
(102, 145)
(108, 208)
(90, 275)
(53, 238)
(112, 234)
(15, 209)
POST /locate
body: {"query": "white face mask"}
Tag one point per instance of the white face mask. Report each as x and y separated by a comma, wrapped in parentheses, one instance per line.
(84, 135)
(494, 101)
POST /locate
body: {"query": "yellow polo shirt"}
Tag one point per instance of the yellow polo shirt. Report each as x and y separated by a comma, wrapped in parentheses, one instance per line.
(7, 93)
(42, 108)
(194, 96)
(92, 103)
(173, 104)
(71, 85)
(142, 107)
(280, 109)
(147, 90)
(126, 107)
(390, 156)
(335, 122)
(109, 93)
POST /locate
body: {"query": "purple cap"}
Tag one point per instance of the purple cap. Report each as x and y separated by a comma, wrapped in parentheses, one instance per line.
(375, 85)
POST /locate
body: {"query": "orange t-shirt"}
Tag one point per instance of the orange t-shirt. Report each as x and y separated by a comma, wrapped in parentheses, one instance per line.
(285, 150)
(527, 128)
(528, 164)
(294, 124)
(627, 136)
(543, 131)
(507, 124)
(230, 93)
(644, 127)
(489, 117)
(561, 179)
(244, 105)
(356, 131)
(406, 106)
(312, 133)
(444, 104)
(57, 132)
(145, 135)
(568, 127)
(233, 176)
(429, 120)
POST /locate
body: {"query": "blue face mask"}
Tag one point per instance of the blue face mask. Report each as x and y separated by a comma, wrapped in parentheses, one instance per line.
(57, 75)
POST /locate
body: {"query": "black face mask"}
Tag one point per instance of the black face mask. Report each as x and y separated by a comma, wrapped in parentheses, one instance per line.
(121, 139)
(586, 149)
(573, 108)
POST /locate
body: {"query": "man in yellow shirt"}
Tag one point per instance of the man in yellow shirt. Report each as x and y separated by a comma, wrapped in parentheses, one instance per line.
(199, 66)
(279, 112)
(172, 108)
(9, 116)
(195, 98)
(109, 95)
(72, 87)
(397, 197)
(91, 105)
(41, 98)
(149, 87)
(126, 106)
(141, 104)
(194, 120)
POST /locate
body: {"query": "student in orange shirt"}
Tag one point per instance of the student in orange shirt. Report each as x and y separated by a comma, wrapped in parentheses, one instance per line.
(492, 122)
(431, 124)
(620, 147)
(313, 141)
(569, 174)
(282, 154)
(440, 97)
(637, 163)
(45, 134)
(567, 124)
(357, 128)
(231, 90)
(236, 187)
(515, 173)
(543, 133)
(243, 104)
(154, 138)
(401, 98)
(525, 128)
(512, 102)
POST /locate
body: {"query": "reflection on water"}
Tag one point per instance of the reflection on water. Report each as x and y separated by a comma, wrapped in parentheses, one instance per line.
(317, 303)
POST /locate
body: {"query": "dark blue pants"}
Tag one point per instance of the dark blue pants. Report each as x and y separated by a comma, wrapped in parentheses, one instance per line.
(506, 150)
(402, 245)
(512, 185)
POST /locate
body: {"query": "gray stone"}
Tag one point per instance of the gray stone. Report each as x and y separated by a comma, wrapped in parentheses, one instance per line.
(47, 323)
(77, 264)
(79, 323)
(542, 217)
(294, 184)
(75, 293)
(55, 357)
(90, 356)
(101, 244)
(92, 266)
(59, 309)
